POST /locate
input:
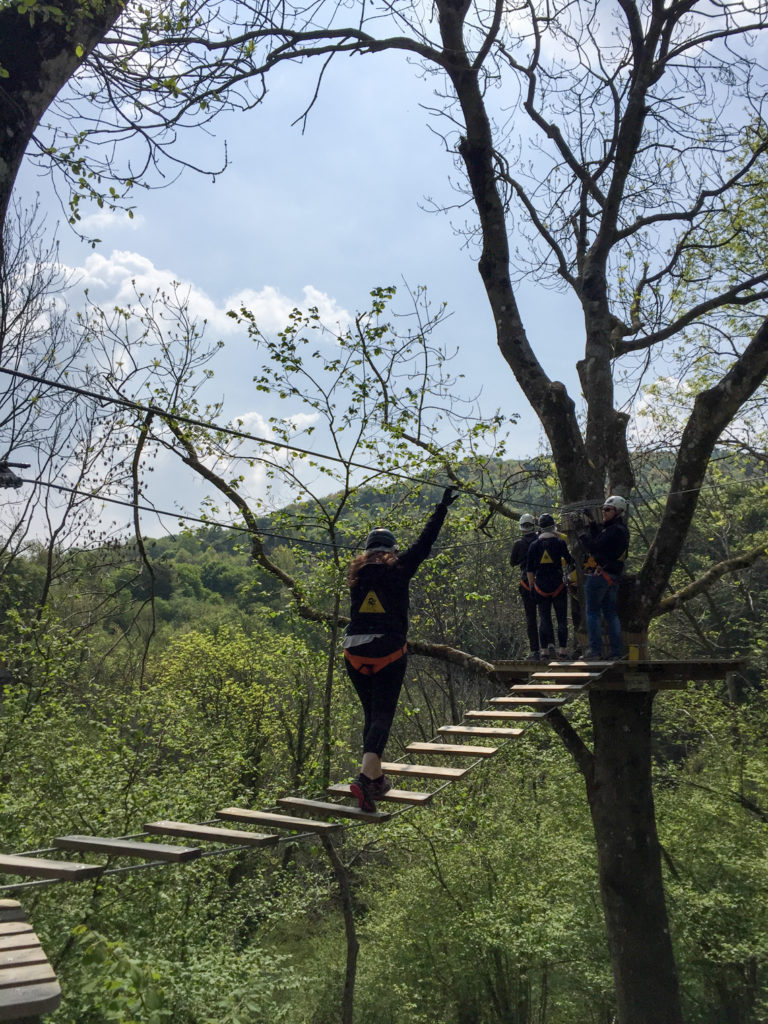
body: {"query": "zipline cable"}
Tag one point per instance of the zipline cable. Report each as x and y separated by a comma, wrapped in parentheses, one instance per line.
(207, 425)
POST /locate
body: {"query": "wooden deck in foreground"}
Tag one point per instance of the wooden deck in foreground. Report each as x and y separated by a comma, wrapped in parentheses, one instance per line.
(28, 985)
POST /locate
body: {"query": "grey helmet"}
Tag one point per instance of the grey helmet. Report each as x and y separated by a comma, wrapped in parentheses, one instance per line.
(380, 540)
(616, 501)
(546, 521)
(526, 523)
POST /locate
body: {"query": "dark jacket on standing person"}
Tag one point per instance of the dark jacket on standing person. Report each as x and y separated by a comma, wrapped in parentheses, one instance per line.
(379, 598)
(547, 558)
(607, 545)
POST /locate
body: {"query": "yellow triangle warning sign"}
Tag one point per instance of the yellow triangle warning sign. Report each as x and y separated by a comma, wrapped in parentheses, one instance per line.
(371, 603)
(546, 559)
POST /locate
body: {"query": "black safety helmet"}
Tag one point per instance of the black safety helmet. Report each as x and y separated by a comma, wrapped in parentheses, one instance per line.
(380, 540)
(546, 521)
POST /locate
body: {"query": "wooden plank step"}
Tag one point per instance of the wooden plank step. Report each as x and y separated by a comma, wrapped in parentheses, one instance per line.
(574, 676)
(276, 820)
(22, 940)
(21, 957)
(549, 702)
(128, 848)
(426, 771)
(14, 928)
(478, 730)
(39, 867)
(324, 809)
(450, 749)
(211, 833)
(397, 796)
(12, 910)
(507, 716)
(29, 974)
(554, 688)
(29, 1001)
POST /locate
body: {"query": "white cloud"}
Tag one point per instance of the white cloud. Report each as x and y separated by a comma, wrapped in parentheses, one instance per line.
(115, 279)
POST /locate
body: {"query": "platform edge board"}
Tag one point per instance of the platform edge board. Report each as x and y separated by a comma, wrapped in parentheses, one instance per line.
(277, 820)
(426, 771)
(39, 867)
(450, 749)
(400, 796)
(211, 833)
(24, 1001)
(479, 730)
(128, 848)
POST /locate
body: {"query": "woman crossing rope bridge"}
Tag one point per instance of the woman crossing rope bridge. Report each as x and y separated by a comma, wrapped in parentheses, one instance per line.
(375, 645)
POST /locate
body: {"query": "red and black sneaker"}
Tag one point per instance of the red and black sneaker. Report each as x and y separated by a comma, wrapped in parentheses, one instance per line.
(380, 787)
(362, 790)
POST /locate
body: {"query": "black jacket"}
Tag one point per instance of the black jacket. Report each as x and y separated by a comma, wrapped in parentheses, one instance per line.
(547, 559)
(379, 599)
(607, 545)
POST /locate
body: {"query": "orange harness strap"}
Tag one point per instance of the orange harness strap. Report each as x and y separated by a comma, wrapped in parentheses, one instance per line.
(370, 666)
(599, 571)
(545, 593)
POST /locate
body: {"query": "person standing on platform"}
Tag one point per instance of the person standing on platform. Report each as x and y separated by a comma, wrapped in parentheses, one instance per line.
(607, 546)
(549, 562)
(519, 558)
(375, 643)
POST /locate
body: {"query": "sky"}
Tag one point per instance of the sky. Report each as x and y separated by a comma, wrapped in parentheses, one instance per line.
(315, 217)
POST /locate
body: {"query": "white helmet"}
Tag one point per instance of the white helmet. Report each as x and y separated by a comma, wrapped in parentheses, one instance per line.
(616, 501)
(526, 523)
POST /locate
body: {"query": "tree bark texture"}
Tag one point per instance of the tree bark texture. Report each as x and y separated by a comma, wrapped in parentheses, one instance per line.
(40, 52)
(353, 946)
(629, 860)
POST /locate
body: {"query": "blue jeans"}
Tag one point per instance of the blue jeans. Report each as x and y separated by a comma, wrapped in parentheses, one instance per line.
(601, 601)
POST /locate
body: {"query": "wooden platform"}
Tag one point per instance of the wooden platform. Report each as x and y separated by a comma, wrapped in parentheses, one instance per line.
(28, 985)
(651, 674)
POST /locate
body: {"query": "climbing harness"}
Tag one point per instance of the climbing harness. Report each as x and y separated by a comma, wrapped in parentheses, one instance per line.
(370, 666)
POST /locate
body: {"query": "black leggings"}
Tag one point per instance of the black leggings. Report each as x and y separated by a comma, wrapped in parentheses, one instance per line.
(545, 605)
(531, 626)
(378, 694)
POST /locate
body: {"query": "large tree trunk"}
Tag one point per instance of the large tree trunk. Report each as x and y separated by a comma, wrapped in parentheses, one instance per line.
(39, 52)
(619, 773)
(629, 860)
